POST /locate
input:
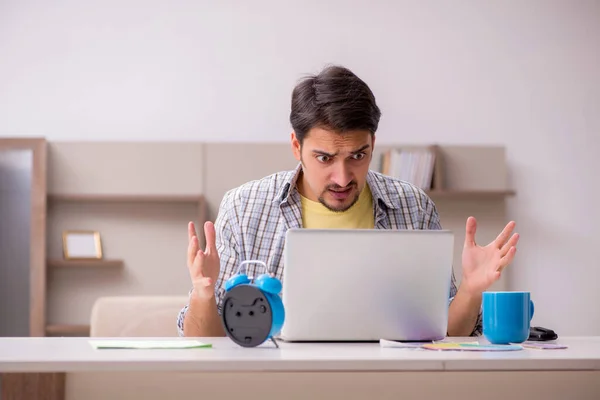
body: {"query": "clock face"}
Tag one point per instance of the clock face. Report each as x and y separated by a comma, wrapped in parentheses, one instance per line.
(247, 315)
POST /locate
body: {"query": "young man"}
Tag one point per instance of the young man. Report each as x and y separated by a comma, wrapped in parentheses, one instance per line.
(334, 118)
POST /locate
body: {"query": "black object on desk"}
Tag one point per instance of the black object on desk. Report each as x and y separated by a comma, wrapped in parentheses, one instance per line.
(539, 334)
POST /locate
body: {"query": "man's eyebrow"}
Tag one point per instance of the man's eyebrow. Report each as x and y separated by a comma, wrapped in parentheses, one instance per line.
(324, 153)
(366, 146)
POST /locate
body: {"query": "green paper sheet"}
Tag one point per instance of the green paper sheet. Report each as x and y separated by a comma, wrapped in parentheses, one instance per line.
(148, 344)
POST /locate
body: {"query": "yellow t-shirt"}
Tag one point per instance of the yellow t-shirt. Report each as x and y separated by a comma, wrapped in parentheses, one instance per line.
(360, 216)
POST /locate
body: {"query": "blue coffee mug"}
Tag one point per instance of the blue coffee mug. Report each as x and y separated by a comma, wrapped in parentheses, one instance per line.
(507, 316)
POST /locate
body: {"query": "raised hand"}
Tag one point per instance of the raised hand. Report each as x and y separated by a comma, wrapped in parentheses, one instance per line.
(482, 266)
(204, 265)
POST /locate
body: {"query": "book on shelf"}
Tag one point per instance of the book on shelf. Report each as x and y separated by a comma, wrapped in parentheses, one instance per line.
(413, 165)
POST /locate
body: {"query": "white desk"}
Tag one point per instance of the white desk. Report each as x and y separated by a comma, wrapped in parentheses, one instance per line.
(298, 370)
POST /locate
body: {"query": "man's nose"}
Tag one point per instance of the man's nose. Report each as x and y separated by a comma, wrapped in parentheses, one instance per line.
(342, 175)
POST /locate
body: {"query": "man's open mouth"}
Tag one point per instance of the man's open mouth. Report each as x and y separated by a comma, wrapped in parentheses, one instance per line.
(340, 194)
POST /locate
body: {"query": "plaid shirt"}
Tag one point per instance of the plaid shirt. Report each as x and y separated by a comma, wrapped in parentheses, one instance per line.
(254, 217)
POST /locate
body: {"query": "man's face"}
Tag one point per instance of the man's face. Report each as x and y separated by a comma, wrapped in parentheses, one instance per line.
(335, 166)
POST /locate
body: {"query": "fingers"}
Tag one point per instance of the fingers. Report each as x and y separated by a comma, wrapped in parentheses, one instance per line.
(511, 243)
(209, 234)
(197, 263)
(496, 275)
(199, 277)
(507, 259)
(191, 230)
(503, 236)
(192, 250)
(470, 230)
(205, 282)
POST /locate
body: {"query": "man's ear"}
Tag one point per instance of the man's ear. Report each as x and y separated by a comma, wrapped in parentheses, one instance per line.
(296, 147)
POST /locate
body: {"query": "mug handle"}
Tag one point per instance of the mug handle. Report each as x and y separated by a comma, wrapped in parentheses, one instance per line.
(531, 310)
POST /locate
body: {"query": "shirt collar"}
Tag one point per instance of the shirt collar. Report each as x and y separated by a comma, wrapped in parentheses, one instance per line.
(375, 181)
(289, 185)
(380, 189)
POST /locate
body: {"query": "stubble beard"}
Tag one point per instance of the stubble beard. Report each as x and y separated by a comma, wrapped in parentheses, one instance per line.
(337, 209)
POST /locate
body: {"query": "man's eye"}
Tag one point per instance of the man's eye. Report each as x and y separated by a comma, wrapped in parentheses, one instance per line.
(359, 156)
(323, 158)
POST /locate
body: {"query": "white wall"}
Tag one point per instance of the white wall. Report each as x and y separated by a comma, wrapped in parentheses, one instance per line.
(523, 74)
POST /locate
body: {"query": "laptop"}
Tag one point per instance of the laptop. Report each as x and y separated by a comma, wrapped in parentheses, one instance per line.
(366, 285)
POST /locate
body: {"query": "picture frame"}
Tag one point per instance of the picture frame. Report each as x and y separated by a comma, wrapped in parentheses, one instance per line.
(82, 245)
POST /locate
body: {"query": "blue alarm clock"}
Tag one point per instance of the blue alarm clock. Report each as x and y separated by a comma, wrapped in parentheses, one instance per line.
(252, 310)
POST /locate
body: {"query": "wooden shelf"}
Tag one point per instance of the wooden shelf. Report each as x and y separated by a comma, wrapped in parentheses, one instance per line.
(447, 168)
(59, 263)
(68, 330)
(470, 194)
(119, 198)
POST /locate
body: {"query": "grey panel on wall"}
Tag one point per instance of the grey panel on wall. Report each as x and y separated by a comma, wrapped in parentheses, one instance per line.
(15, 215)
(229, 165)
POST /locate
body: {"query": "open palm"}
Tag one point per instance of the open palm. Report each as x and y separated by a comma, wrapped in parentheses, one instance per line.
(483, 265)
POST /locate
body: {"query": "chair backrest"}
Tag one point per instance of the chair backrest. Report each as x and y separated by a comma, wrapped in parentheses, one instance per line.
(136, 316)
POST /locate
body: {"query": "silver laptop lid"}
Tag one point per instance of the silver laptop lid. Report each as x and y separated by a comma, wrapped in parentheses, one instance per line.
(361, 285)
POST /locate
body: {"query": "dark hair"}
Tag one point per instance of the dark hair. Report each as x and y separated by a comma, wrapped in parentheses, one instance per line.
(335, 99)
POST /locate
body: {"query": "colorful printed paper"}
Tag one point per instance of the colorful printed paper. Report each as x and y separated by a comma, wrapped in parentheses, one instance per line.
(472, 347)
